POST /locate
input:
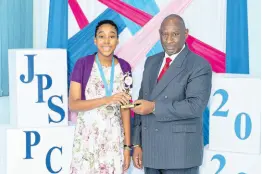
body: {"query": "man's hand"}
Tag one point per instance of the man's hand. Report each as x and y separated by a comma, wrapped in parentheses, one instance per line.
(137, 157)
(144, 107)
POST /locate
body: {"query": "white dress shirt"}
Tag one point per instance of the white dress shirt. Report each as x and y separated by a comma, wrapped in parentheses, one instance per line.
(171, 57)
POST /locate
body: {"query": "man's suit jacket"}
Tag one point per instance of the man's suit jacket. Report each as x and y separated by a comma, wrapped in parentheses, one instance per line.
(172, 137)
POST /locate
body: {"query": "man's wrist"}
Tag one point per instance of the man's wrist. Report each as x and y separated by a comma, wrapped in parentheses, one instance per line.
(135, 145)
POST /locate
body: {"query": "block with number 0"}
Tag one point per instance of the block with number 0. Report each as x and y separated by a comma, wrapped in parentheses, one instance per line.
(235, 114)
(218, 162)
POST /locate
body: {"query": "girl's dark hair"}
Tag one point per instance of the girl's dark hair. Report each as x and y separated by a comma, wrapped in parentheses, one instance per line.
(106, 22)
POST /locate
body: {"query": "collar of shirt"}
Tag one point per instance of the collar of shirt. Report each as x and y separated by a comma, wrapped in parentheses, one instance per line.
(171, 57)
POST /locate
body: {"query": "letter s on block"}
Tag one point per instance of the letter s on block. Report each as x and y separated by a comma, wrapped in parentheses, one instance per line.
(56, 109)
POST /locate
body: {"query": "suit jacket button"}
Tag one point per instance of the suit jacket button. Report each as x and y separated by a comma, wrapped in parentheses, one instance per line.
(144, 127)
(145, 93)
(165, 96)
(156, 130)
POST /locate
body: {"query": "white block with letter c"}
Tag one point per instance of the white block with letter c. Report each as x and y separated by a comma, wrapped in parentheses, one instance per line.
(39, 150)
(235, 114)
(217, 162)
(38, 87)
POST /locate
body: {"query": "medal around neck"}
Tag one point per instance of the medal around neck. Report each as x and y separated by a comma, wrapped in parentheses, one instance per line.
(126, 85)
(110, 109)
(108, 87)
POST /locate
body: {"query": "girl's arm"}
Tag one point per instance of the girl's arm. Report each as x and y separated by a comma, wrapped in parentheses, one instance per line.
(125, 113)
(76, 104)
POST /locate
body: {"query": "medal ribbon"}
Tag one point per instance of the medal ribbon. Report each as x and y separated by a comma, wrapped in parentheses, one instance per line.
(108, 88)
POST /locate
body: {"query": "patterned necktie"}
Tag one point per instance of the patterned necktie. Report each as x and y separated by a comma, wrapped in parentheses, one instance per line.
(166, 66)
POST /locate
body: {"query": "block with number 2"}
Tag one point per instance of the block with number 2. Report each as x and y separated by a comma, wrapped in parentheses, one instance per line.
(218, 162)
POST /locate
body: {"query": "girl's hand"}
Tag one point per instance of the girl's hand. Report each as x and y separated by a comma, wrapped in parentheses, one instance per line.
(127, 159)
(119, 98)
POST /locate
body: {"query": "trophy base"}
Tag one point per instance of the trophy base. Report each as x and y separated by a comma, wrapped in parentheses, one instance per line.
(128, 106)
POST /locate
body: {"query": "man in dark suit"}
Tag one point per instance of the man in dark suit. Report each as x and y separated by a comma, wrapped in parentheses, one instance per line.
(174, 92)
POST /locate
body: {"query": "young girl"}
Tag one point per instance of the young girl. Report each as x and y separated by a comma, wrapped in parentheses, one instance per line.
(102, 135)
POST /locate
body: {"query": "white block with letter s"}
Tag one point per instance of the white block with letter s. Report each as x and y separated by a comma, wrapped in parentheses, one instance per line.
(39, 150)
(218, 162)
(38, 87)
(235, 114)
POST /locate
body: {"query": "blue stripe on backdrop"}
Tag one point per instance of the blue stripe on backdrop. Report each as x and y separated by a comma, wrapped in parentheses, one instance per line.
(150, 7)
(82, 43)
(206, 126)
(16, 31)
(57, 36)
(237, 56)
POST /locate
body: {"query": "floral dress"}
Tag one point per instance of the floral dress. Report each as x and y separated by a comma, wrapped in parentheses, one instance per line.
(99, 134)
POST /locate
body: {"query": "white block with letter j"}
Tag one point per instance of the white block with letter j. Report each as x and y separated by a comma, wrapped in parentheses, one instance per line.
(235, 114)
(38, 87)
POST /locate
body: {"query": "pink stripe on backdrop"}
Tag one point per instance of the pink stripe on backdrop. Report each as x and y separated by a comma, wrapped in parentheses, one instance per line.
(215, 57)
(78, 13)
(136, 15)
(142, 42)
(131, 111)
(146, 38)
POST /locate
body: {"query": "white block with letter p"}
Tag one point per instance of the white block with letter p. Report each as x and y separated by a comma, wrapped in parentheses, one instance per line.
(217, 162)
(235, 114)
(38, 87)
(41, 150)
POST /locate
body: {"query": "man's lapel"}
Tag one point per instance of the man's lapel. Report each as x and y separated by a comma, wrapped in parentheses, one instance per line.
(175, 68)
